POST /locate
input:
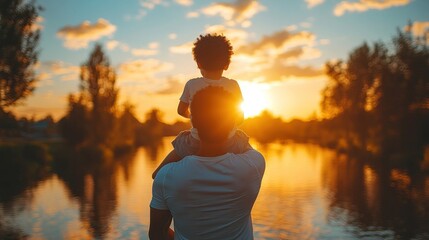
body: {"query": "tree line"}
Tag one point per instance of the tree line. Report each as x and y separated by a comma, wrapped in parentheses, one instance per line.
(380, 97)
(376, 101)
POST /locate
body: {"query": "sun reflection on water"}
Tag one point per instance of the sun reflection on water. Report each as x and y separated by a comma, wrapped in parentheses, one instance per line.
(307, 193)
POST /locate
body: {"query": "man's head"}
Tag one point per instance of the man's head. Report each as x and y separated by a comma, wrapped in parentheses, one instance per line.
(214, 113)
(212, 52)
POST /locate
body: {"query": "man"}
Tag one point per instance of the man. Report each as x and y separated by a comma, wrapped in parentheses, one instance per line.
(210, 195)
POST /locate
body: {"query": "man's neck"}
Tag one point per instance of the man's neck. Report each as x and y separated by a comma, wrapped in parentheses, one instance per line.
(212, 149)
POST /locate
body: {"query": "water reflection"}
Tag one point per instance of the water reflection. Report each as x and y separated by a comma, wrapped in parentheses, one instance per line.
(94, 187)
(307, 193)
(377, 201)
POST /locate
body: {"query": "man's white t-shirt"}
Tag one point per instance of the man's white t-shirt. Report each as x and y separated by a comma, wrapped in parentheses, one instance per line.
(196, 84)
(210, 197)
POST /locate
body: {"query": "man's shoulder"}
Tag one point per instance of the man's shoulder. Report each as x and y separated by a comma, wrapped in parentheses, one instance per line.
(252, 153)
(160, 176)
(254, 158)
(173, 167)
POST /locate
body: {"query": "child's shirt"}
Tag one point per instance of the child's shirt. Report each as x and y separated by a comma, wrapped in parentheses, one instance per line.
(196, 84)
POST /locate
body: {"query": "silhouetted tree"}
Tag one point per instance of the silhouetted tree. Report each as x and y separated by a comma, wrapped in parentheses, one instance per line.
(350, 92)
(265, 127)
(74, 126)
(409, 94)
(8, 124)
(381, 97)
(98, 87)
(127, 125)
(151, 130)
(18, 48)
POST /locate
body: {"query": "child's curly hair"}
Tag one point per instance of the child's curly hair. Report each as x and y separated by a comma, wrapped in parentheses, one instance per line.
(212, 52)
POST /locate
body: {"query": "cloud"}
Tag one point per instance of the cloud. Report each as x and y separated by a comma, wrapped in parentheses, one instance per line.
(293, 53)
(184, 48)
(172, 36)
(44, 79)
(64, 71)
(112, 44)
(151, 4)
(144, 52)
(144, 76)
(184, 2)
(142, 69)
(47, 72)
(150, 51)
(324, 41)
(239, 12)
(275, 57)
(313, 3)
(79, 36)
(154, 45)
(173, 85)
(147, 5)
(277, 42)
(192, 14)
(305, 24)
(279, 72)
(365, 5)
(419, 30)
(237, 37)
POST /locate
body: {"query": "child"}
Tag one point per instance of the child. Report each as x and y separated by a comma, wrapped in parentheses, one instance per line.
(212, 54)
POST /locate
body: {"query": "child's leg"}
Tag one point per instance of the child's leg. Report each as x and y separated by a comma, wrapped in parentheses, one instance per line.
(171, 157)
(184, 145)
(239, 143)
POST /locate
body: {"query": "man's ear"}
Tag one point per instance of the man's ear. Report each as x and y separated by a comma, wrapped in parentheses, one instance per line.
(199, 66)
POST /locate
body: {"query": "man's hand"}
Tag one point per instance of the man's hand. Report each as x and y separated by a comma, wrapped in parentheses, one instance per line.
(159, 228)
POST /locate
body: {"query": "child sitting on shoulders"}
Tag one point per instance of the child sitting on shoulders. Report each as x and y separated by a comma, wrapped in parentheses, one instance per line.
(212, 54)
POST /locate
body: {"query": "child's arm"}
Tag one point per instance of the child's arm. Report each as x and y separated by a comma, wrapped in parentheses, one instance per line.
(183, 109)
(171, 157)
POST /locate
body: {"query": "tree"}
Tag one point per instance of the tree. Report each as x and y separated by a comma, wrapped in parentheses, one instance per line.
(9, 126)
(349, 93)
(152, 130)
(98, 88)
(74, 126)
(381, 96)
(153, 125)
(18, 48)
(127, 125)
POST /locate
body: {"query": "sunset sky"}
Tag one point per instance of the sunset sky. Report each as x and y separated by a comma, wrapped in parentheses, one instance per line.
(280, 47)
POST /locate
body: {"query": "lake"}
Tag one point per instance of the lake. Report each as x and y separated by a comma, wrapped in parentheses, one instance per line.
(308, 192)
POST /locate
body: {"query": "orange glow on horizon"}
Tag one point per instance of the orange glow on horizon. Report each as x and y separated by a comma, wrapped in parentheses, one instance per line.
(254, 99)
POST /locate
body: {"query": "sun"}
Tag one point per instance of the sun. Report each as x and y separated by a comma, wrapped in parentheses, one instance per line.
(255, 99)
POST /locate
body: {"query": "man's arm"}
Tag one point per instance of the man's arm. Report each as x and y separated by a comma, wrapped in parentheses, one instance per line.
(183, 109)
(159, 228)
